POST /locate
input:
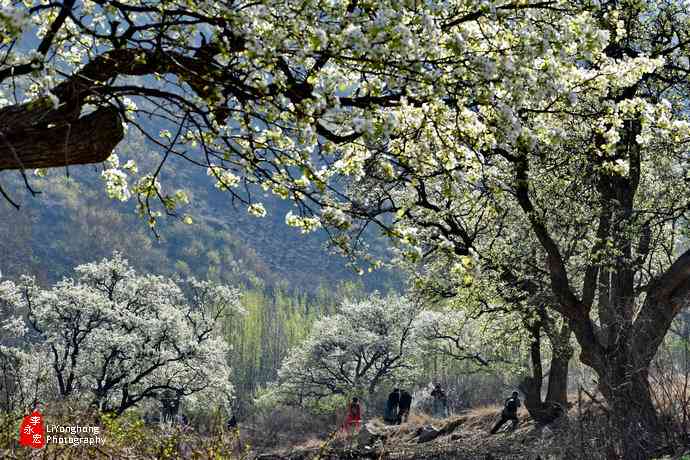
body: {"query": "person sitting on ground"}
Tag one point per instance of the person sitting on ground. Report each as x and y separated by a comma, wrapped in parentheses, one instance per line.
(404, 407)
(390, 414)
(353, 419)
(509, 413)
(440, 402)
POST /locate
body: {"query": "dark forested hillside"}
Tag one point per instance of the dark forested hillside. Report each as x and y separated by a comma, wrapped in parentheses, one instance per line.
(73, 221)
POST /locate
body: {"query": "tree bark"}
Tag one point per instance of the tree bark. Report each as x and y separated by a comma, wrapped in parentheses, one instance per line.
(40, 134)
(621, 351)
(557, 392)
(626, 389)
(89, 139)
(556, 402)
(623, 367)
(531, 386)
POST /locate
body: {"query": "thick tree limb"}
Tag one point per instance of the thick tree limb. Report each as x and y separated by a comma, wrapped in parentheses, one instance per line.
(40, 135)
(568, 304)
(28, 130)
(571, 306)
(666, 296)
(89, 139)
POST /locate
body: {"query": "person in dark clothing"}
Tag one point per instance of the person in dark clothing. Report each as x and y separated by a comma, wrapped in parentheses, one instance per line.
(440, 402)
(170, 403)
(390, 414)
(509, 413)
(182, 420)
(404, 406)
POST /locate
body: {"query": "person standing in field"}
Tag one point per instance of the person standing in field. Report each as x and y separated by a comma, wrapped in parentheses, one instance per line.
(404, 408)
(440, 402)
(390, 414)
(353, 419)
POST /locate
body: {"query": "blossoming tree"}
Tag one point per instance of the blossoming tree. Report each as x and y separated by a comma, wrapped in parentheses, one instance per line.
(510, 301)
(367, 343)
(567, 118)
(590, 161)
(114, 338)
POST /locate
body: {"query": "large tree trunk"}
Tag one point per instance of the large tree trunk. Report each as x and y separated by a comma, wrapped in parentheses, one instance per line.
(623, 381)
(625, 385)
(556, 403)
(622, 346)
(623, 363)
(558, 378)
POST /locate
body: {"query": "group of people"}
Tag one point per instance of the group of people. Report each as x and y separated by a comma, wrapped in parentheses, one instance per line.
(399, 403)
(397, 406)
(396, 411)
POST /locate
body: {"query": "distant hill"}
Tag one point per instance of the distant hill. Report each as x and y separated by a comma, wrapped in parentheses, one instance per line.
(73, 221)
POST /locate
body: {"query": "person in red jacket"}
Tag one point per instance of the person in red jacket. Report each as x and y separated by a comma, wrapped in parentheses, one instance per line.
(353, 419)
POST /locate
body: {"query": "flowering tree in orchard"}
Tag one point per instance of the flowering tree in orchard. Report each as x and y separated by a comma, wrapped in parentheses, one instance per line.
(584, 146)
(591, 162)
(114, 338)
(571, 124)
(564, 119)
(367, 343)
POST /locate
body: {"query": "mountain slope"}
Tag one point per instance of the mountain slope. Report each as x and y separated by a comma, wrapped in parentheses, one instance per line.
(73, 221)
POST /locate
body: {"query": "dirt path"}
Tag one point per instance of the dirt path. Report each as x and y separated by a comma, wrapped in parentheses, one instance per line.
(461, 438)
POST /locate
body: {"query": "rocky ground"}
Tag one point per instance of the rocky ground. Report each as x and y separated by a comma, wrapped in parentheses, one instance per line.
(462, 437)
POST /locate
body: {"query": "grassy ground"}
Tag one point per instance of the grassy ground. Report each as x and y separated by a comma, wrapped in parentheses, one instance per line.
(582, 435)
(467, 436)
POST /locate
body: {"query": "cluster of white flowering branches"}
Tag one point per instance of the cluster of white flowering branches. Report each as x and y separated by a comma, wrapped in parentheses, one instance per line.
(379, 341)
(113, 338)
(292, 96)
(366, 344)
